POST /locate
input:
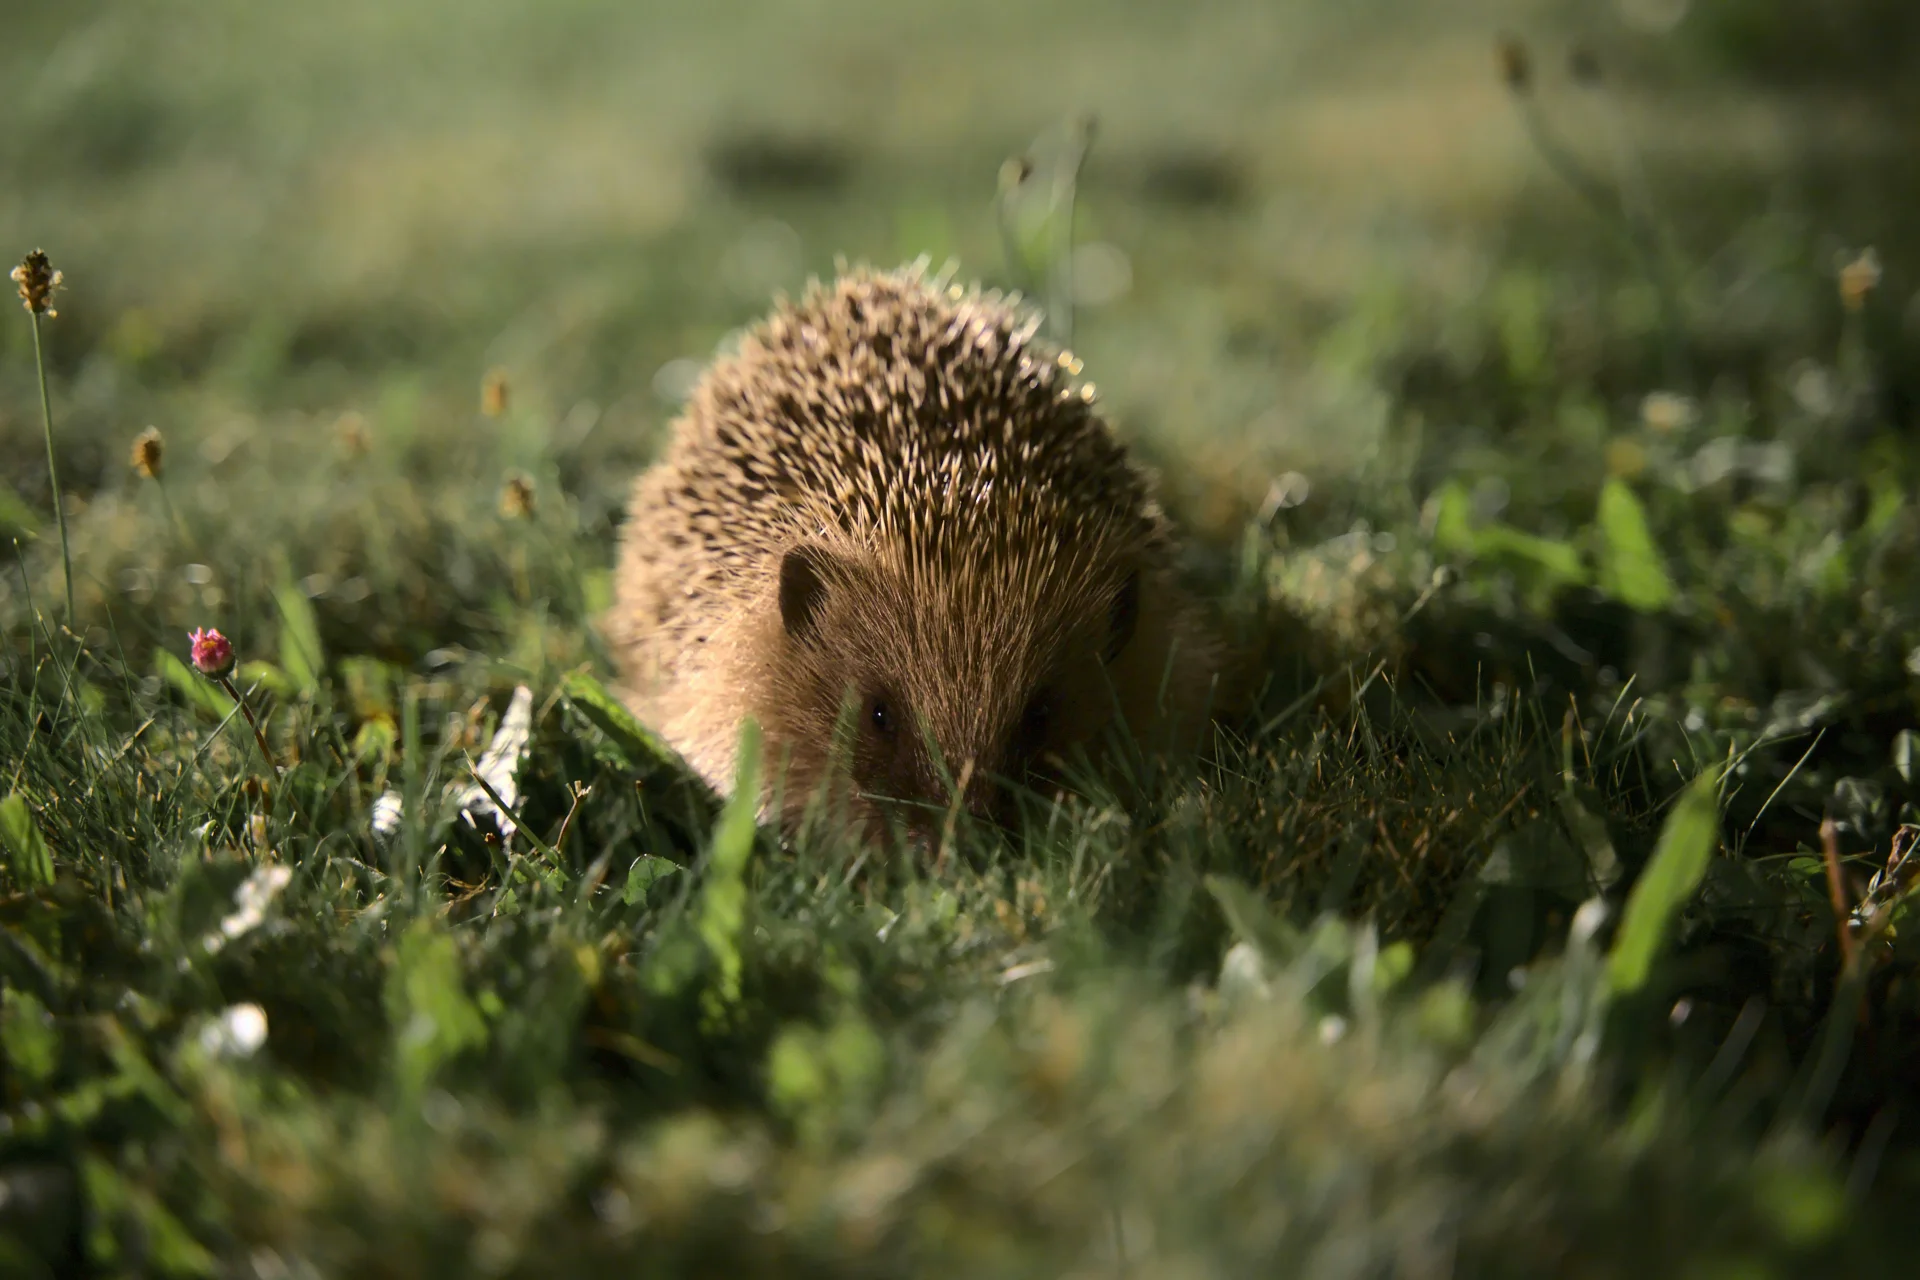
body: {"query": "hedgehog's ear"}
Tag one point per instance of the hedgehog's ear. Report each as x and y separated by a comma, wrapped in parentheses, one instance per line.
(1123, 615)
(803, 591)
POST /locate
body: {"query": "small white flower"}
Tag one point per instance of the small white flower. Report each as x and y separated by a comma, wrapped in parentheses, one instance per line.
(238, 1032)
(386, 815)
(1587, 920)
(500, 766)
(251, 900)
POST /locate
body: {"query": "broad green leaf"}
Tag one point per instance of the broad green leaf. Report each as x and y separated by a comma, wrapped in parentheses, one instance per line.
(1452, 518)
(27, 849)
(28, 1038)
(1679, 863)
(17, 519)
(1549, 562)
(428, 1005)
(1632, 570)
(1542, 565)
(301, 656)
(194, 687)
(640, 747)
(266, 676)
(646, 871)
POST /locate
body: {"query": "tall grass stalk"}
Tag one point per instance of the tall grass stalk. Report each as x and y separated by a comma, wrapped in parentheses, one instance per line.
(1628, 211)
(1066, 190)
(53, 469)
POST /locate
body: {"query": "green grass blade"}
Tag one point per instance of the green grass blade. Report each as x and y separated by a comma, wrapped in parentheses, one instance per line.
(1632, 570)
(26, 848)
(1678, 865)
(301, 656)
(723, 902)
(1252, 920)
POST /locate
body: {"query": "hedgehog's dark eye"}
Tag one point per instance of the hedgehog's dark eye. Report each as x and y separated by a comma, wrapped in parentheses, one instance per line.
(880, 716)
(1035, 719)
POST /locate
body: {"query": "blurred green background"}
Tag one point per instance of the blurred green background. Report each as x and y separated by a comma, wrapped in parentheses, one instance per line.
(266, 216)
(1314, 241)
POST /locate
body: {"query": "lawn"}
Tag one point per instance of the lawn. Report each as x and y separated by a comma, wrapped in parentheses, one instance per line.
(1536, 383)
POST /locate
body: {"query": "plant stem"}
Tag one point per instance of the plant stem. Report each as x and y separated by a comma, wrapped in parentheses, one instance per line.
(266, 752)
(53, 471)
(1641, 240)
(178, 529)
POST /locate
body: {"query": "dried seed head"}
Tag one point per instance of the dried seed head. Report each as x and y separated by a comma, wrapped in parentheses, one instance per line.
(516, 497)
(493, 393)
(38, 283)
(1014, 173)
(1859, 278)
(1516, 67)
(1668, 411)
(148, 447)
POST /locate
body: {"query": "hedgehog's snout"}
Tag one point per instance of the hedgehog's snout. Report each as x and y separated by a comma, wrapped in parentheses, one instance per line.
(986, 796)
(999, 763)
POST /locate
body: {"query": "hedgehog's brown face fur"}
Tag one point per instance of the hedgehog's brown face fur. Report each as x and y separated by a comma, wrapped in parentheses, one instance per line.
(929, 690)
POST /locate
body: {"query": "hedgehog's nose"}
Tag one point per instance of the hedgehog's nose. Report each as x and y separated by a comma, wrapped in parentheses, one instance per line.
(988, 798)
(983, 803)
(973, 791)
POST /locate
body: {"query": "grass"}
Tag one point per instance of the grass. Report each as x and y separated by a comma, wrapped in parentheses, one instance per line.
(1506, 935)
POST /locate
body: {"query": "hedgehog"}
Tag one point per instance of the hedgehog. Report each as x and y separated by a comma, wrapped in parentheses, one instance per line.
(892, 530)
